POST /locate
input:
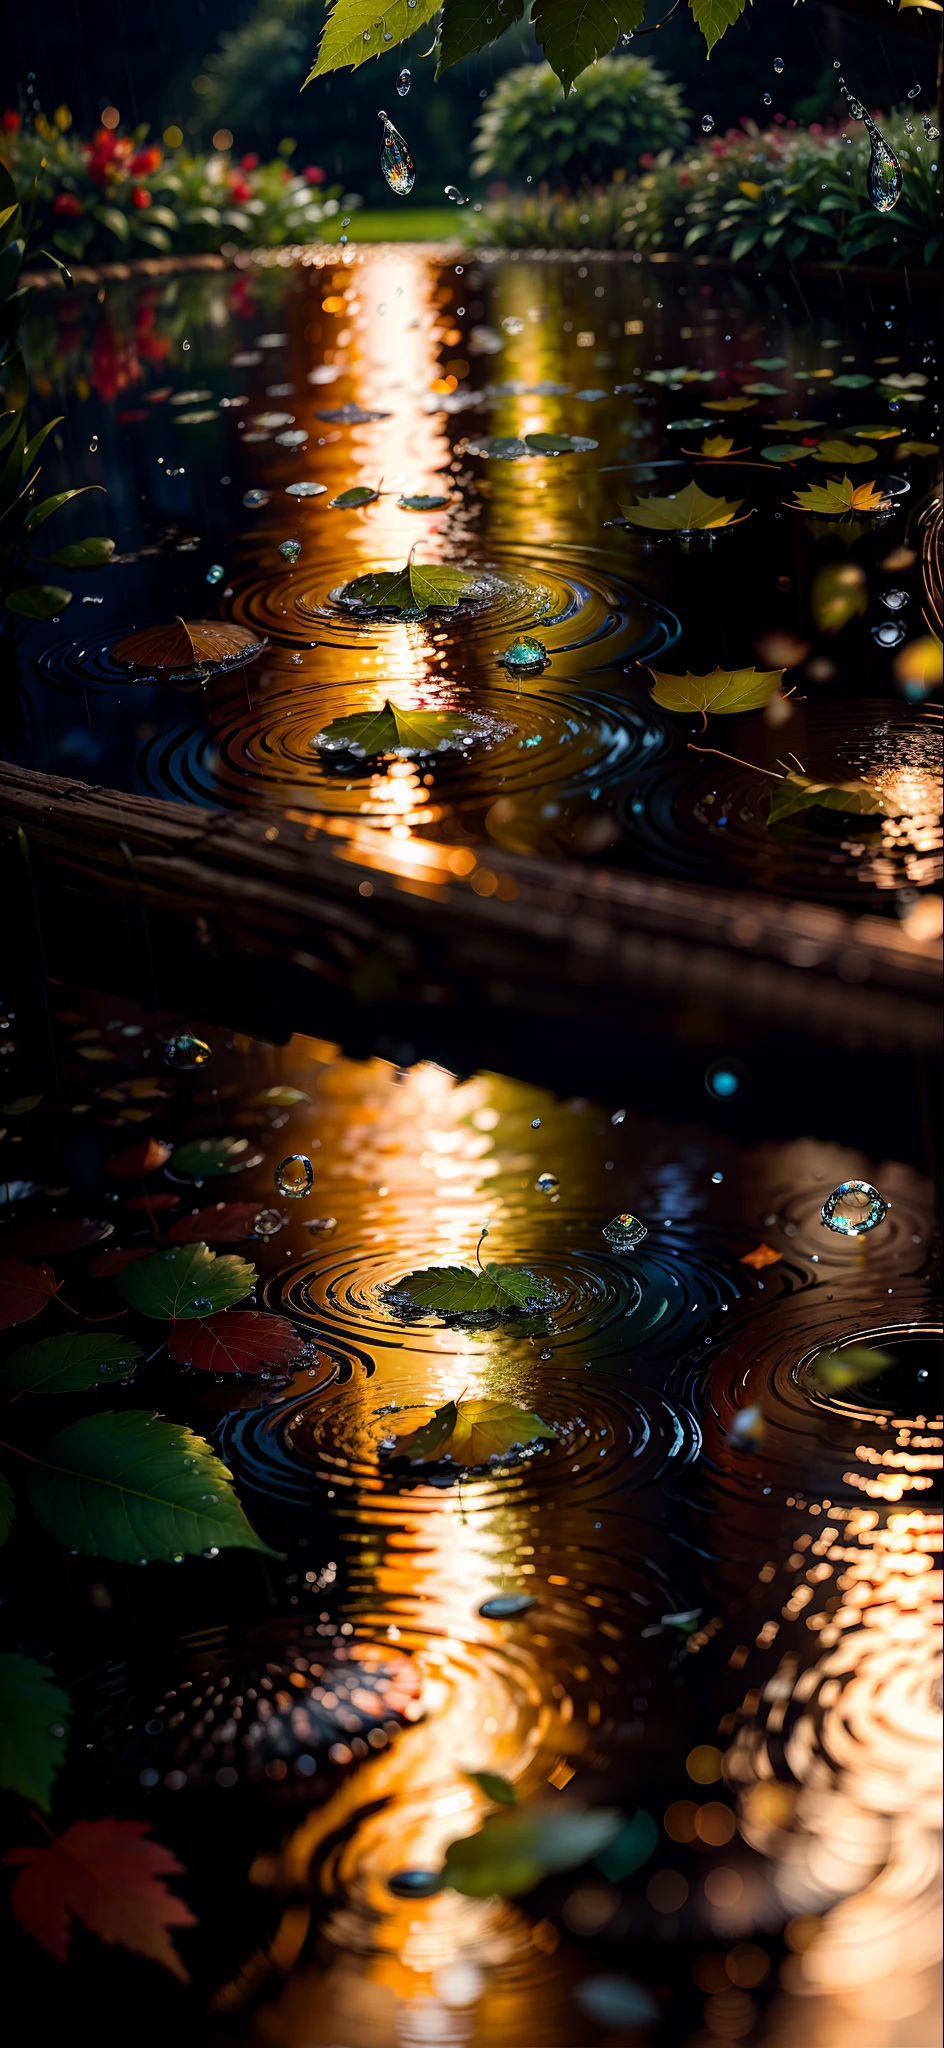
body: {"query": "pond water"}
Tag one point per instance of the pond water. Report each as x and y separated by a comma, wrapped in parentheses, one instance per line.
(699, 1592)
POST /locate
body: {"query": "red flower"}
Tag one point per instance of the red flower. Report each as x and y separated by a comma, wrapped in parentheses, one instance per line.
(10, 122)
(250, 162)
(139, 197)
(647, 159)
(67, 205)
(145, 161)
(684, 178)
(239, 190)
(314, 174)
(717, 148)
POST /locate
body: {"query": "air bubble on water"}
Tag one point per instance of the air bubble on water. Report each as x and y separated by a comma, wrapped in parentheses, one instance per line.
(452, 192)
(895, 599)
(267, 1223)
(290, 550)
(215, 572)
(778, 65)
(93, 445)
(404, 83)
(295, 1176)
(547, 1184)
(854, 1208)
(624, 1232)
(707, 123)
(396, 162)
(186, 1051)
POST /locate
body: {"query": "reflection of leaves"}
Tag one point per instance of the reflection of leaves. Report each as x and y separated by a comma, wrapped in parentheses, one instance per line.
(391, 730)
(838, 1369)
(138, 1159)
(24, 1291)
(496, 1788)
(513, 1851)
(800, 793)
(192, 1281)
(843, 451)
(839, 592)
(224, 1223)
(108, 1877)
(133, 1486)
(68, 1364)
(683, 512)
(838, 496)
(416, 587)
(723, 691)
(241, 1340)
(460, 1290)
(34, 1720)
(472, 1432)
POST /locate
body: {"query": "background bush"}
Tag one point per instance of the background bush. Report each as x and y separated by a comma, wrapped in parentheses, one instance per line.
(618, 109)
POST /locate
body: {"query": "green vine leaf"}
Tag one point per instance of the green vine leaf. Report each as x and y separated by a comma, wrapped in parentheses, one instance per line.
(69, 1364)
(473, 1432)
(513, 1851)
(715, 16)
(391, 731)
(417, 587)
(138, 1489)
(358, 29)
(34, 1728)
(723, 692)
(573, 33)
(469, 25)
(684, 512)
(190, 1281)
(800, 793)
(462, 1291)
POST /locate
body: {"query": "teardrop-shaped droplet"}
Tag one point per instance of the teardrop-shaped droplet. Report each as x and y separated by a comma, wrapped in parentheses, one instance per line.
(884, 176)
(452, 192)
(404, 83)
(396, 162)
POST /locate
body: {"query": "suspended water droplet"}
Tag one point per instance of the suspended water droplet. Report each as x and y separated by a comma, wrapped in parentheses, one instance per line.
(525, 657)
(624, 1232)
(778, 65)
(267, 1222)
(404, 83)
(933, 134)
(547, 1184)
(93, 445)
(769, 102)
(295, 1176)
(396, 162)
(452, 192)
(215, 572)
(725, 1078)
(535, 1123)
(290, 550)
(891, 634)
(707, 123)
(854, 1208)
(883, 178)
(895, 599)
(187, 1051)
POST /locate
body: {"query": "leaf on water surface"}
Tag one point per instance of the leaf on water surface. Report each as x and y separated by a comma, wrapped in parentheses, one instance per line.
(794, 426)
(106, 1875)
(205, 1158)
(837, 1369)
(800, 793)
(34, 1728)
(769, 363)
(844, 451)
(359, 494)
(917, 448)
(186, 644)
(421, 501)
(110, 1263)
(838, 497)
(38, 600)
(415, 587)
(139, 1160)
(464, 1290)
(496, 1788)
(392, 730)
(225, 1223)
(58, 1234)
(69, 1363)
(729, 404)
(684, 512)
(7, 1507)
(716, 444)
(91, 553)
(472, 1432)
(243, 1340)
(852, 380)
(192, 1281)
(24, 1291)
(788, 451)
(513, 1851)
(722, 692)
(559, 444)
(761, 1256)
(136, 1488)
(763, 390)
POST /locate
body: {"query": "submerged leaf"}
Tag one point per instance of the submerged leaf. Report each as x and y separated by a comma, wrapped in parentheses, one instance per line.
(684, 512)
(462, 1290)
(513, 1851)
(34, 1724)
(191, 1281)
(108, 1877)
(69, 1363)
(24, 1291)
(846, 1368)
(723, 691)
(137, 1489)
(391, 730)
(472, 1432)
(800, 793)
(838, 497)
(843, 451)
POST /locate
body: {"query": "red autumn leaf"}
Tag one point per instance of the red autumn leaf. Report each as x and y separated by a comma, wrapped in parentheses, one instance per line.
(139, 1159)
(224, 1223)
(104, 1874)
(150, 1202)
(60, 1234)
(762, 1255)
(110, 1263)
(24, 1290)
(235, 1340)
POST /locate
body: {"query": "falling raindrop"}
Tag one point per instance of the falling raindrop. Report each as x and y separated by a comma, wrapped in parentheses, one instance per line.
(547, 1184)
(267, 1223)
(883, 178)
(215, 572)
(452, 192)
(707, 123)
(853, 1208)
(933, 134)
(93, 445)
(895, 599)
(295, 1176)
(290, 550)
(396, 162)
(404, 83)
(624, 1232)
(778, 65)
(767, 100)
(186, 1051)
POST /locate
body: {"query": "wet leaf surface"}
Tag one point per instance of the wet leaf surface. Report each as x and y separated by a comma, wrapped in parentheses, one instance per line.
(462, 1290)
(186, 644)
(472, 1432)
(800, 793)
(723, 692)
(838, 496)
(69, 1363)
(172, 1286)
(24, 1291)
(684, 512)
(392, 730)
(110, 1878)
(135, 1488)
(34, 1723)
(243, 1340)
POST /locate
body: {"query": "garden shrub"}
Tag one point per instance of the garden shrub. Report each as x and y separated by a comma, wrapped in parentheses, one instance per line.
(620, 107)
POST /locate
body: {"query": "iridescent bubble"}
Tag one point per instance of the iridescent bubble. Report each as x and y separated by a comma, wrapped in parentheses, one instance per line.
(404, 83)
(854, 1208)
(624, 1232)
(547, 1184)
(215, 572)
(290, 550)
(267, 1223)
(295, 1176)
(186, 1051)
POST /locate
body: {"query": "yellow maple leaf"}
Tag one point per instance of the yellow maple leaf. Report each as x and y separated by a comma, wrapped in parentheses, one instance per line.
(683, 512)
(723, 691)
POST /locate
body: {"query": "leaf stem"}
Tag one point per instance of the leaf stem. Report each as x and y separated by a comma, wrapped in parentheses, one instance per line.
(18, 1453)
(736, 758)
(479, 1247)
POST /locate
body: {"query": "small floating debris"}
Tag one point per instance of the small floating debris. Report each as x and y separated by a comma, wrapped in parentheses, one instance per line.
(854, 1208)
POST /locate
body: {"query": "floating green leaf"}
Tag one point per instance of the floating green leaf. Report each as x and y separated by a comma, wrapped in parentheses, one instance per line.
(686, 511)
(513, 1851)
(462, 1291)
(763, 390)
(38, 600)
(70, 1363)
(800, 793)
(843, 451)
(788, 451)
(205, 1158)
(837, 497)
(417, 587)
(349, 501)
(34, 1728)
(189, 1281)
(559, 444)
(472, 1432)
(769, 363)
(846, 1368)
(793, 426)
(729, 404)
(421, 501)
(92, 553)
(722, 692)
(917, 448)
(390, 731)
(852, 380)
(138, 1489)
(498, 1789)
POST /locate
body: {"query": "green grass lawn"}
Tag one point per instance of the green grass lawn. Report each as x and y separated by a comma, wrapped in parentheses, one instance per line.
(400, 224)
